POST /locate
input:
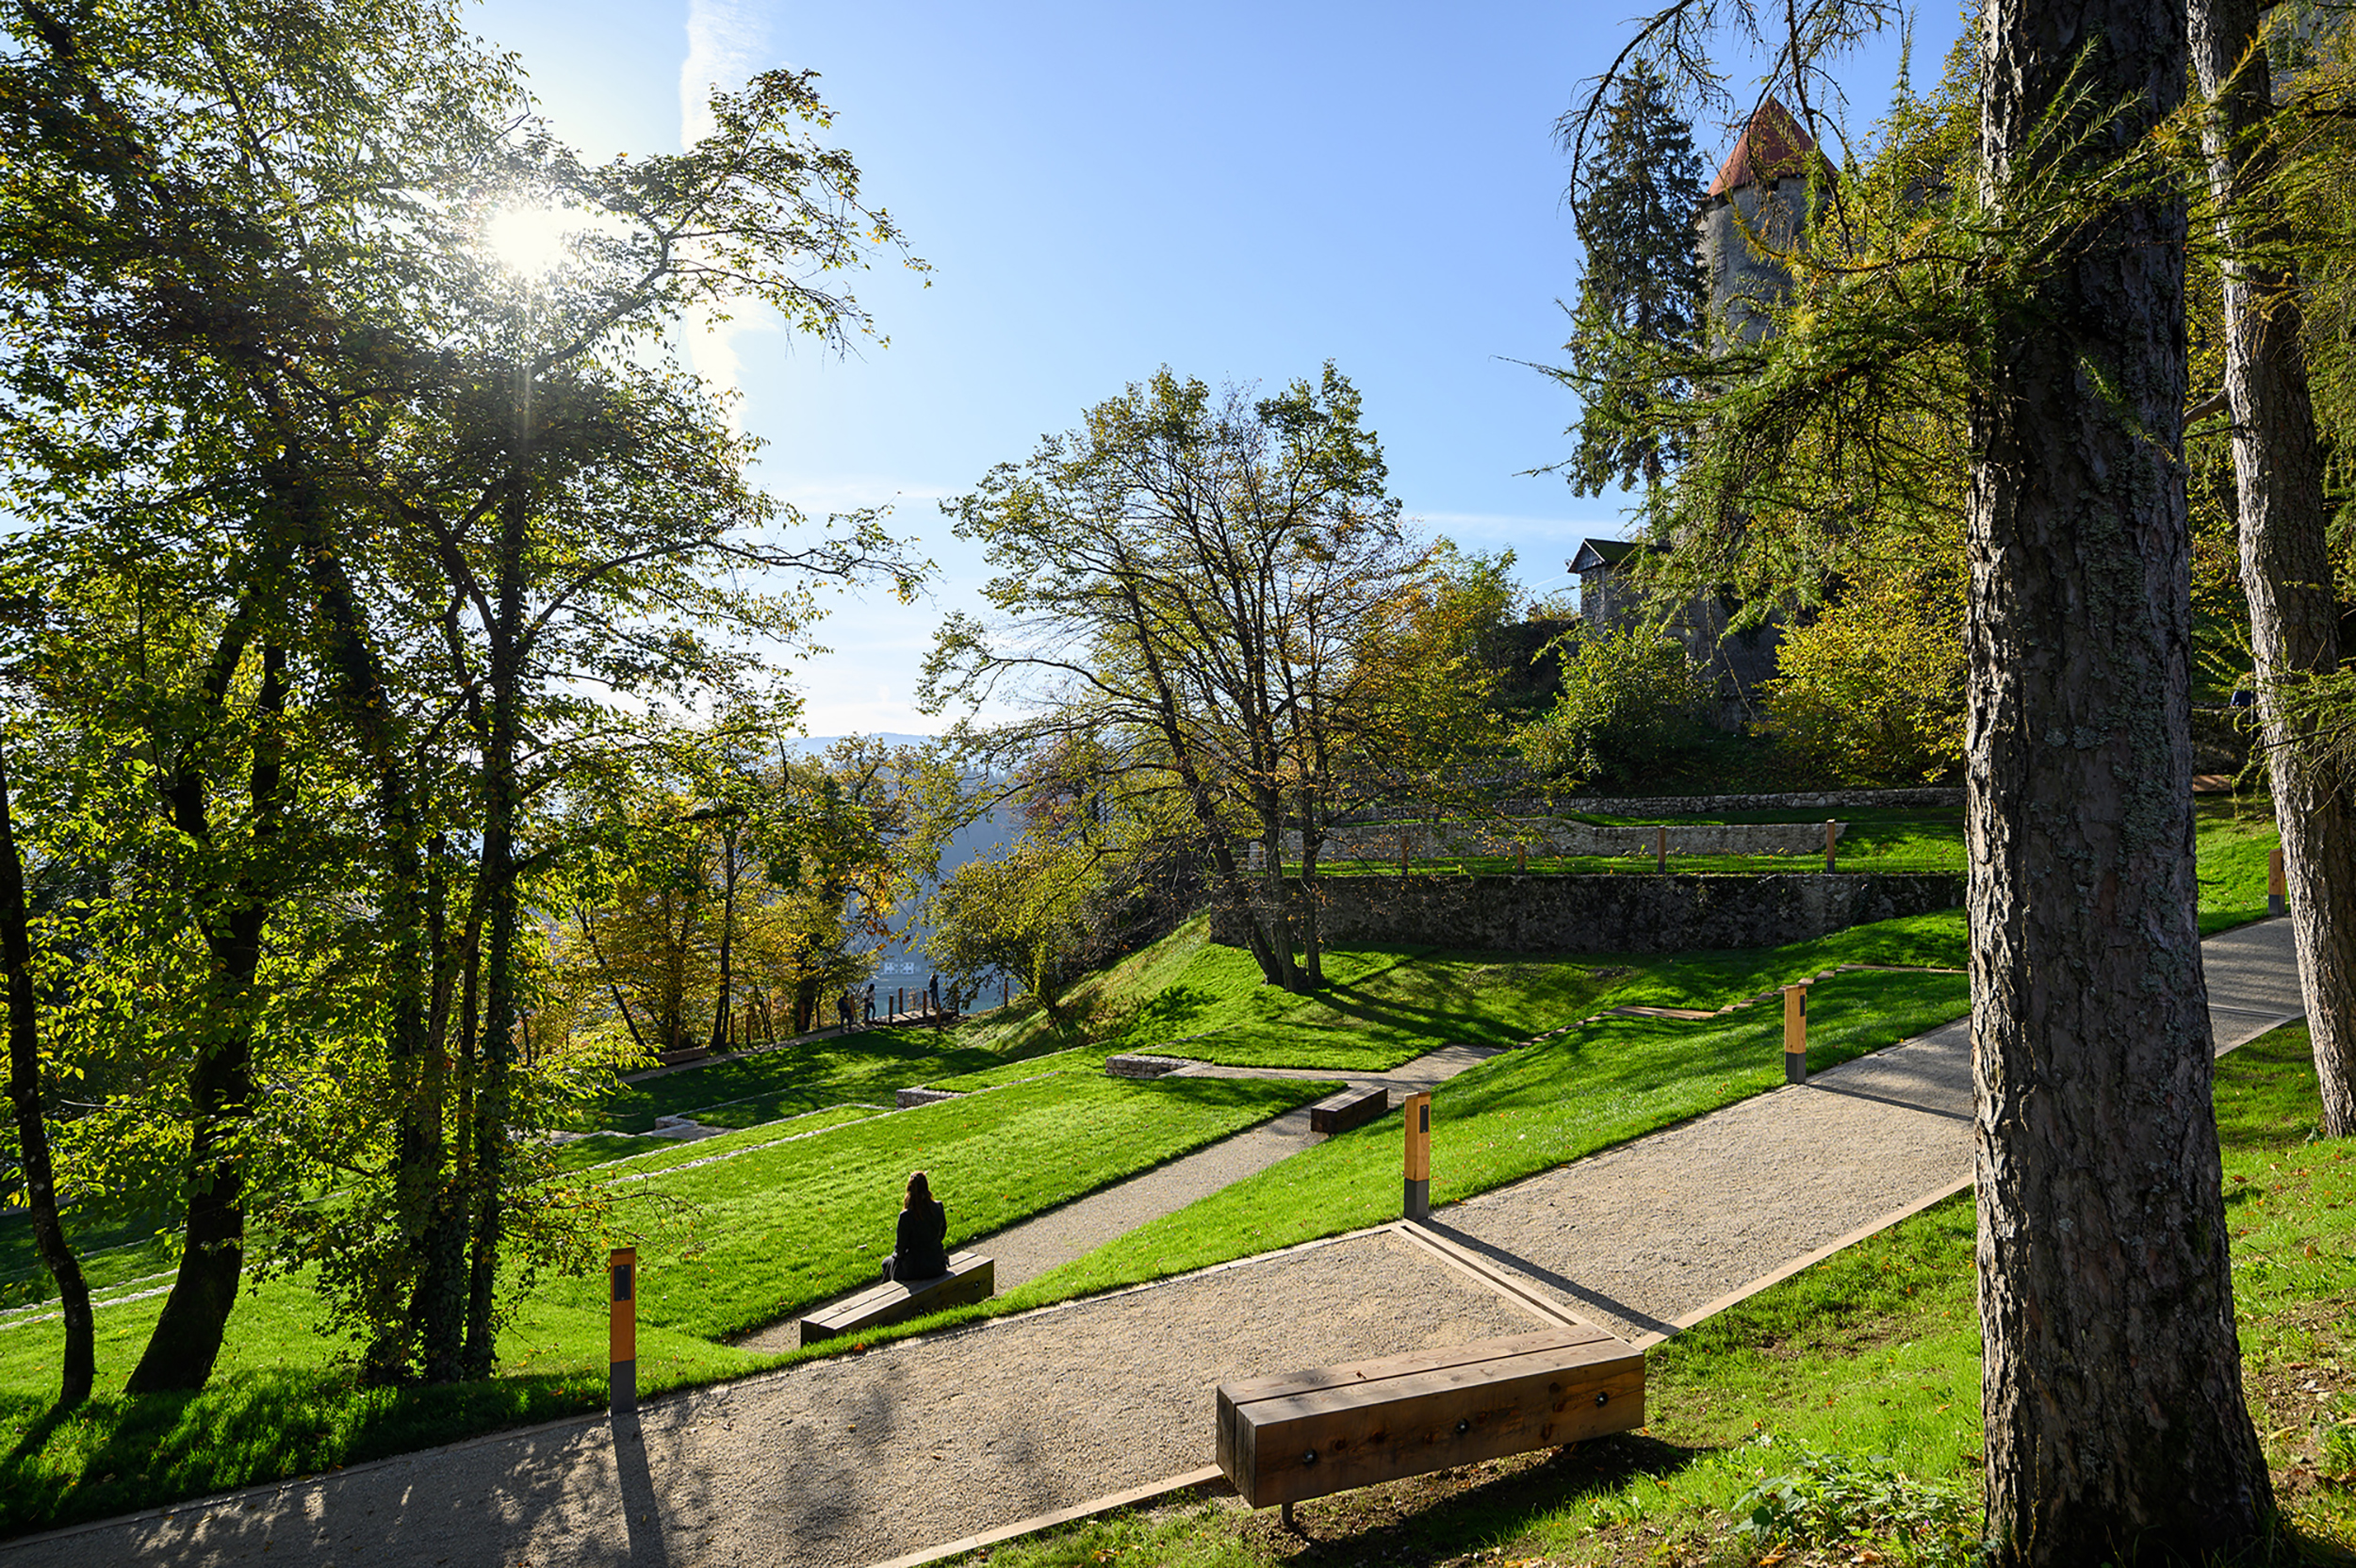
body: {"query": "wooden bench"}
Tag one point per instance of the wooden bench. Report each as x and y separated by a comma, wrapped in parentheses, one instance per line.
(1305, 1434)
(1339, 1113)
(970, 1278)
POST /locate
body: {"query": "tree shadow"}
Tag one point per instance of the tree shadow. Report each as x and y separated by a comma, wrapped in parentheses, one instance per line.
(117, 1453)
(1437, 1518)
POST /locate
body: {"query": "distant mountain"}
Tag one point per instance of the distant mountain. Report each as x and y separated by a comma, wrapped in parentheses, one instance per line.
(904, 961)
(816, 744)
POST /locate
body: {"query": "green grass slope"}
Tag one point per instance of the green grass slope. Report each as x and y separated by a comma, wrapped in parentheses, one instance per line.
(724, 1247)
(781, 1227)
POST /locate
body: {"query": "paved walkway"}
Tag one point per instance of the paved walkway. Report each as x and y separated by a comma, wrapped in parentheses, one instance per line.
(857, 1458)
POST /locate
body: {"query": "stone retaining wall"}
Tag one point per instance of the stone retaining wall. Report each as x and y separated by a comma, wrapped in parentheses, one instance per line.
(1612, 914)
(1551, 836)
(1806, 800)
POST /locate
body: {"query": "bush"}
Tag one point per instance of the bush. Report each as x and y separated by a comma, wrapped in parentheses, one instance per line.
(1632, 706)
(1871, 692)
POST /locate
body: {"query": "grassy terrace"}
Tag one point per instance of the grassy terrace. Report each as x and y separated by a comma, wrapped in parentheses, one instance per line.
(1514, 1115)
(792, 1079)
(1383, 1005)
(1845, 1404)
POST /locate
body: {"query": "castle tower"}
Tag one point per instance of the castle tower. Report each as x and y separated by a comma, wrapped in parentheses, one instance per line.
(1758, 204)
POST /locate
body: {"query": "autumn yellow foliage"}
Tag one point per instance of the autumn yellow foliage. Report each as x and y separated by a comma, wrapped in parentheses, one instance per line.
(1872, 691)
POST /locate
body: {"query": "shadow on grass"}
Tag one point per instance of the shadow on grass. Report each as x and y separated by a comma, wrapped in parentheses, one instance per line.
(117, 1453)
(803, 1077)
(1438, 1518)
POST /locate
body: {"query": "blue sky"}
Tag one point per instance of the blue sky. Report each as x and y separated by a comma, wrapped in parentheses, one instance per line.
(1239, 191)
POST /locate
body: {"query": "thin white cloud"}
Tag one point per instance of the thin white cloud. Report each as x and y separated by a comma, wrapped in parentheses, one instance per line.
(727, 41)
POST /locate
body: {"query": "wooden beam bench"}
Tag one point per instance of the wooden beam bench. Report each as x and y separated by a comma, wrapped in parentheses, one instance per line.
(1305, 1434)
(970, 1278)
(1339, 1113)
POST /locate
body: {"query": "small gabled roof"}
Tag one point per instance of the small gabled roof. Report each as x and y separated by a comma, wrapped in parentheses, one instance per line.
(1596, 554)
(1773, 146)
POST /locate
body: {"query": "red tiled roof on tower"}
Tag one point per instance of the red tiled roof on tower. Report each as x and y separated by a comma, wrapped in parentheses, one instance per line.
(1773, 146)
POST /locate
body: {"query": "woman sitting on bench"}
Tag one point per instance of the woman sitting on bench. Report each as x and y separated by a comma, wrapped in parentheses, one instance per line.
(918, 1252)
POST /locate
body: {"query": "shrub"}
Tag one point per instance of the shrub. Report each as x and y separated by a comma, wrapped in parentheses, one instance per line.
(1632, 706)
(1871, 692)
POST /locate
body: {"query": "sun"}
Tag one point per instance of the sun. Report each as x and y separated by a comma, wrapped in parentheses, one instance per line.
(530, 241)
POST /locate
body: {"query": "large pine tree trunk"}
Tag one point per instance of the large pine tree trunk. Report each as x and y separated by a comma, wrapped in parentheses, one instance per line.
(2285, 558)
(32, 1132)
(2112, 1395)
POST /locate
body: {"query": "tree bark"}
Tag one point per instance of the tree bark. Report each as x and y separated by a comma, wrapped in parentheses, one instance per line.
(2112, 1398)
(501, 804)
(186, 1338)
(2285, 557)
(721, 1015)
(422, 1323)
(32, 1132)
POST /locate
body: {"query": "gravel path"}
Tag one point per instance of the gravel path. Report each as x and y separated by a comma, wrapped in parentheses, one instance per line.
(1025, 1252)
(858, 1458)
(853, 1458)
(1640, 1237)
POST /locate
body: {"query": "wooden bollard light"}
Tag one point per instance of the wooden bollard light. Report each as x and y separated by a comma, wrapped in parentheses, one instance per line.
(2278, 892)
(1832, 832)
(1419, 1203)
(1661, 849)
(1795, 1034)
(621, 1272)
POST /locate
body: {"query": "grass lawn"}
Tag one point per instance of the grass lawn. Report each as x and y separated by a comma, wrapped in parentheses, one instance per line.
(1845, 1402)
(792, 1079)
(635, 1156)
(723, 1247)
(1383, 1006)
(779, 1227)
(1100, 1006)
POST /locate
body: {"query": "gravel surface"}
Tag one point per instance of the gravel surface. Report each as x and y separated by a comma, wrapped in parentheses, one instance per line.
(854, 1458)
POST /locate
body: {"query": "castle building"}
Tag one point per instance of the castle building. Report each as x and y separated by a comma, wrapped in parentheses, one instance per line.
(1756, 207)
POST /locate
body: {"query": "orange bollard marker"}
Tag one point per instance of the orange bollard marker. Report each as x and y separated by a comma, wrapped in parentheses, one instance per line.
(2278, 892)
(1419, 1109)
(1795, 1034)
(622, 1379)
